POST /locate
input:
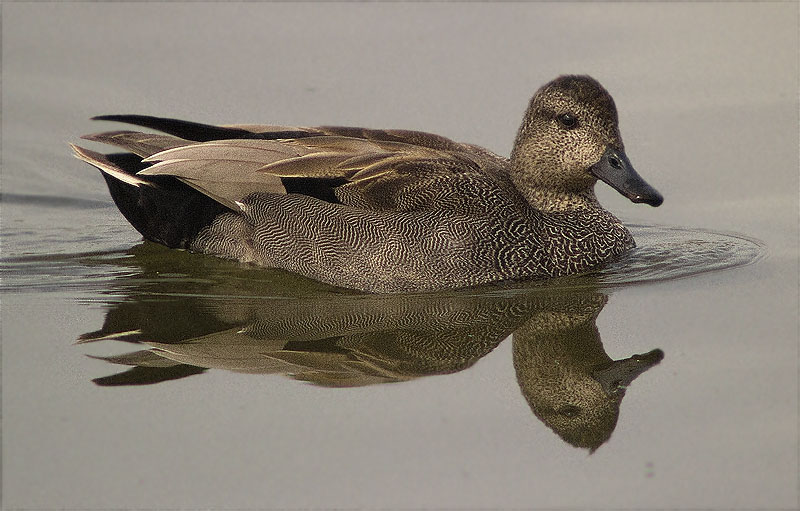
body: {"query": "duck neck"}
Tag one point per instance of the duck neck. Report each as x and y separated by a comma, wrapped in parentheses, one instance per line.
(547, 190)
(579, 233)
(560, 201)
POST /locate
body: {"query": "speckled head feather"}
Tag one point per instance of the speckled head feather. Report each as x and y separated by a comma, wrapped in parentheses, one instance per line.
(569, 124)
(585, 90)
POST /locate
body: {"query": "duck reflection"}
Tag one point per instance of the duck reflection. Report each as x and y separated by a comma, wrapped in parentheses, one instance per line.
(569, 381)
(192, 322)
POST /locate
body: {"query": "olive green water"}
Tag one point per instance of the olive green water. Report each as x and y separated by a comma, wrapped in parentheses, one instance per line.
(213, 385)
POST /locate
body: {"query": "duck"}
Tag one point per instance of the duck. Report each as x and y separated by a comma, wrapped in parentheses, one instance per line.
(384, 210)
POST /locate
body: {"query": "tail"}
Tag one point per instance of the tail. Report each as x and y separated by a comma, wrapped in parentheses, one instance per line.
(161, 208)
(198, 132)
(183, 129)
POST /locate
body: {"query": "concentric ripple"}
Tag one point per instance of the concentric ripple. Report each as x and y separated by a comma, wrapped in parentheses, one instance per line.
(668, 253)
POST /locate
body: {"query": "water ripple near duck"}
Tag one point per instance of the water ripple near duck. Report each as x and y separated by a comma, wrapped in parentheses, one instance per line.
(663, 254)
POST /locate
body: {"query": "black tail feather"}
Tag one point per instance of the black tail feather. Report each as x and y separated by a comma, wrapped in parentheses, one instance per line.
(171, 213)
(148, 375)
(162, 208)
(184, 129)
(202, 132)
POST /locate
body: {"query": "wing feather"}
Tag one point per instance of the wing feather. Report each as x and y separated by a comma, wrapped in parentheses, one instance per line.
(107, 166)
(315, 165)
(257, 151)
(368, 168)
(382, 167)
(141, 144)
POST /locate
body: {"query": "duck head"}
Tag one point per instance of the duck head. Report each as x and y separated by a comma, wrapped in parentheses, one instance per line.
(568, 140)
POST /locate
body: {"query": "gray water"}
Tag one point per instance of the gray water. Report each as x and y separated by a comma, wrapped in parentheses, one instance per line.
(667, 380)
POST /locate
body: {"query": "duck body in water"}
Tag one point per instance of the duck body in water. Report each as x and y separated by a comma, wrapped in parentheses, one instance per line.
(384, 210)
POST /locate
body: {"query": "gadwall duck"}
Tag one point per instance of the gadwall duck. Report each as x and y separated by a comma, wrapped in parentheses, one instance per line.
(384, 210)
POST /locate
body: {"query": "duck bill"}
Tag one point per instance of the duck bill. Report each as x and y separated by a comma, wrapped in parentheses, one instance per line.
(616, 170)
(615, 376)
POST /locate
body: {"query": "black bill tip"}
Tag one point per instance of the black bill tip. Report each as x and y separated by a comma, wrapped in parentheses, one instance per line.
(616, 170)
(654, 198)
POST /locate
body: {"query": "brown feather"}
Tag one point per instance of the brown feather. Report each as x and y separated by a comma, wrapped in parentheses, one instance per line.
(317, 165)
(212, 170)
(375, 162)
(141, 144)
(259, 151)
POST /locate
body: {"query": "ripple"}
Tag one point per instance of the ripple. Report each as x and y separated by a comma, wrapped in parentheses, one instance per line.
(662, 254)
(53, 201)
(669, 253)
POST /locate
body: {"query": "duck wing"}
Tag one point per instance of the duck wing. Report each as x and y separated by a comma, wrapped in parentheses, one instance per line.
(366, 168)
(199, 132)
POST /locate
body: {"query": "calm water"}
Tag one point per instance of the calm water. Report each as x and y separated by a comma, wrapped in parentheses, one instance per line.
(138, 377)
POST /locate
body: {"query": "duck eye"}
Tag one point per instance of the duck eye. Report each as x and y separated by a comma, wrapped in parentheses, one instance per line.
(569, 411)
(568, 120)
